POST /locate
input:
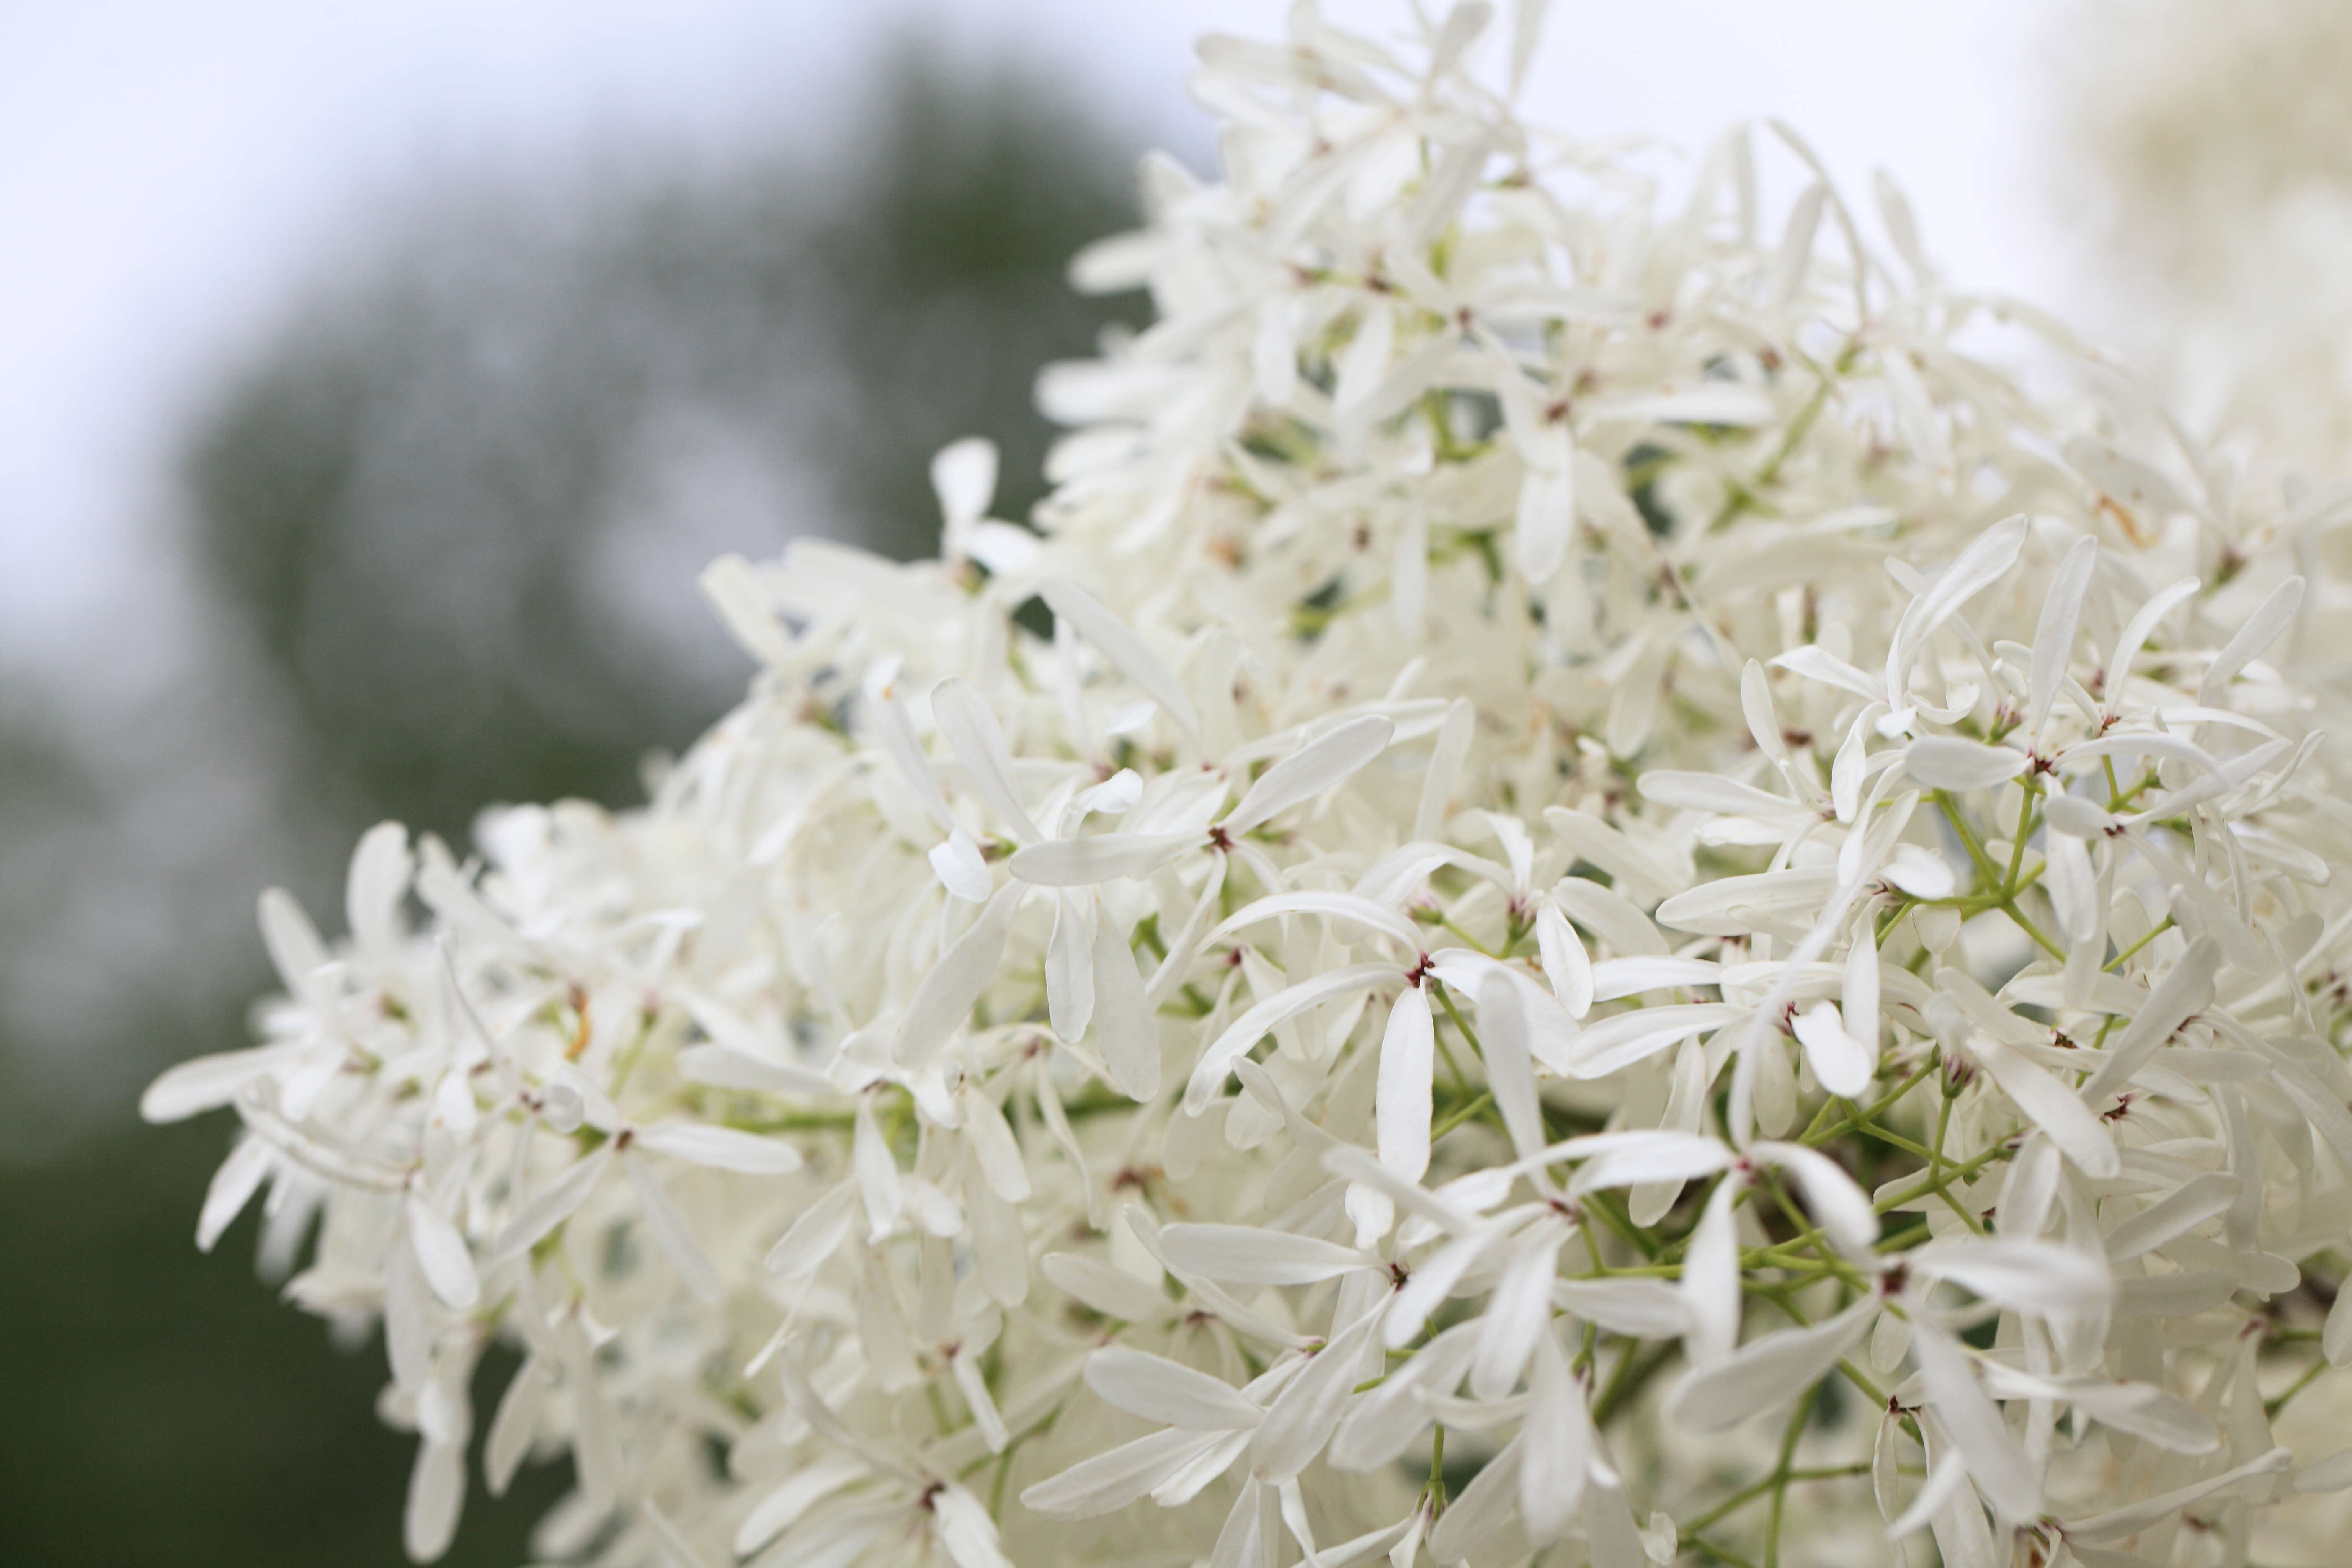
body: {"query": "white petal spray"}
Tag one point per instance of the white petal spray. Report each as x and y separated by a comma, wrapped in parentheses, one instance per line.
(1554, 893)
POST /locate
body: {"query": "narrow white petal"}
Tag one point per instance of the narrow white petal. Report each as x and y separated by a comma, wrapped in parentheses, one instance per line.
(1432, 1283)
(1947, 762)
(1510, 1064)
(1248, 1538)
(1547, 519)
(776, 1513)
(966, 1530)
(2033, 1277)
(964, 718)
(442, 1256)
(2175, 1215)
(1558, 1441)
(1245, 1255)
(1945, 1480)
(516, 1425)
(1401, 1093)
(1098, 1287)
(1303, 1415)
(2053, 638)
(814, 1236)
(1920, 871)
(2080, 1135)
(1819, 664)
(2332, 1474)
(1848, 768)
(1482, 1515)
(946, 997)
(437, 1494)
(1566, 965)
(992, 1145)
(1663, 1155)
(550, 1205)
(1125, 1028)
(2320, 1105)
(380, 869)
(721, 1147)
(1859, 1011)
(1105, 857)
(1616, 978)
(295, 950)
(2135, 637)
(1711, 402)
(1121, 645)
(2336, 1334)
(2122, 1523)
(2144, 1411)
(755, 1052)
(1119, 1477)
(1352, 1163)
(1837, 1059)
(1796, 253)
(1409, 574)
(2075, 818)
(1644, 1309)
(1003, 548)
(1254, 1026)
(1727, 906)
(876, 1169)
(207, 1083)
(1710, 1285)
(2186, 990)
(963, 476)
(1839, 1206)
(1987, 558)
(2141, 1409)
(1386, 1420)
(233, 1186)
(1445, 760)
(1628, 1038)
(1616, 920)
(669, 1230)
(2262, 628)
(1167, 1392)
(885, 710)
(1765, 1374)
(1998, 1466)
(1070, 965)
(1713, 792)
(964, 1367)
(962, 869)
(2073, 885)
(1312, 769)
(1637, 873)
(1346, 907)
(1518, 1312)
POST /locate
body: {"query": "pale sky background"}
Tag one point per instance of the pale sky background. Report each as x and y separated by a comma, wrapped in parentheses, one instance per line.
(169, 172)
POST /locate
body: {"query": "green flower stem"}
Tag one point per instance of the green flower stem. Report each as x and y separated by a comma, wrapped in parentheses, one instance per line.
(1757, 1488)
(1796, 1429)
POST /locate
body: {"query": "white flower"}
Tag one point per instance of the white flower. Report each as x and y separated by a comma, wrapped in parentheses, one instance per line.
(1558, 886)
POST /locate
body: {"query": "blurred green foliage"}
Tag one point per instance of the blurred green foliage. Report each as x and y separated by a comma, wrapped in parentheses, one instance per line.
(431, 504)
(429, 497)
(165, 1411)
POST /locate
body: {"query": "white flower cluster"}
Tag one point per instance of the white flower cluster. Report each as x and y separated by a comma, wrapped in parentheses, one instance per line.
(1574, 829)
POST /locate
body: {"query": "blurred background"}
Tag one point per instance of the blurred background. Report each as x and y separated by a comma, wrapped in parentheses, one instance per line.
(375, 379)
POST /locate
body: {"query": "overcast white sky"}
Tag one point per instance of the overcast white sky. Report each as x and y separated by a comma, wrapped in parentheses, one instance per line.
(167, 170)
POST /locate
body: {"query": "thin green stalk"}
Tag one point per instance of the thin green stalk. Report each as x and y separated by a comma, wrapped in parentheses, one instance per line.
(1796, 1429)
(2270, 1407)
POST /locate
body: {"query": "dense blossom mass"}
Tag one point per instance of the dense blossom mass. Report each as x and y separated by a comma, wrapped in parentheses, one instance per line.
(1587, 892)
